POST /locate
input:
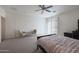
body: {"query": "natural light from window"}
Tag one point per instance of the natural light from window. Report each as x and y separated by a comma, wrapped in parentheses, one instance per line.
(52, 25)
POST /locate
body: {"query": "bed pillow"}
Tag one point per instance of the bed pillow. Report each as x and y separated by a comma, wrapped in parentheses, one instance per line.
(30, 33)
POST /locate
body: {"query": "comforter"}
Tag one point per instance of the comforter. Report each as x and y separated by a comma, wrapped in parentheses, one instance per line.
(59, 44)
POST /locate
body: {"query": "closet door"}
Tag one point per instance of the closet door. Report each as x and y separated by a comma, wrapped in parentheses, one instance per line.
(0, 29)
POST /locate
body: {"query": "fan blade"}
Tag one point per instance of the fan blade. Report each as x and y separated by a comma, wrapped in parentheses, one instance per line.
(40, 6)
(38, 10)
(43, 6)
(42, 11)
(49, 7)
(48, 10)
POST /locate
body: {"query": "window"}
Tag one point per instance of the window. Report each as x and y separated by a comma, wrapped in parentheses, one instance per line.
(52, 25)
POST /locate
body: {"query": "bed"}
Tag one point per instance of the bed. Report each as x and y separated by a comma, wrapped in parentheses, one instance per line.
(59, 44)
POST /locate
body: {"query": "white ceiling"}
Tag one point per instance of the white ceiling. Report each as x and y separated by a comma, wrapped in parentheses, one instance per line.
(30, 9)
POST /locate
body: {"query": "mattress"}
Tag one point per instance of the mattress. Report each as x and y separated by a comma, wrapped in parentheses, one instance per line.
(59, 44)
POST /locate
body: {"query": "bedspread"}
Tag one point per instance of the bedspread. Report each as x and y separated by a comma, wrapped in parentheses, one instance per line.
(59, 44)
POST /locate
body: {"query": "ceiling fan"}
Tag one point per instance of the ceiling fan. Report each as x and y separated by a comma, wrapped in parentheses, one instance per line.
(44, 8)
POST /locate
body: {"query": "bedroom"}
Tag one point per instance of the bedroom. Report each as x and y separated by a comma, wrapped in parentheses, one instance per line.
(16, 20)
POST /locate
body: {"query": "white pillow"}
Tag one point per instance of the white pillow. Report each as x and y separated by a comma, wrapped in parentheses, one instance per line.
(30, 33)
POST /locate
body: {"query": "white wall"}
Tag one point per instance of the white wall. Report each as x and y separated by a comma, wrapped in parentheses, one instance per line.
(68, 21)
(16, 22)
(2, 12)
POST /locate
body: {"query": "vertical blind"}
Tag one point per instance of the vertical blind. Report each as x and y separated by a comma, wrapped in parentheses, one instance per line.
(52, 25)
